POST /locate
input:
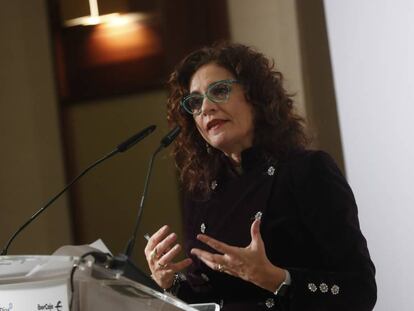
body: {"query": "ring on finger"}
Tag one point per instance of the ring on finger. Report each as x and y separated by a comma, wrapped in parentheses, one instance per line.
(154, 253)
(162, 266)
(220, 268)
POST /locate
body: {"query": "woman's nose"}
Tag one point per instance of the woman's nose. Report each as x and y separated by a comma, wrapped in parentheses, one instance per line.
(208, 106)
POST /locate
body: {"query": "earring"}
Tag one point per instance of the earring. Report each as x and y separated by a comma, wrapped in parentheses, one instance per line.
(208, 148)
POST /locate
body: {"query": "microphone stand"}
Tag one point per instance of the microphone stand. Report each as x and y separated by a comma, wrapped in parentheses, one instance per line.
(131, 243)
(123, 261)
(124, 146)
(40, 211)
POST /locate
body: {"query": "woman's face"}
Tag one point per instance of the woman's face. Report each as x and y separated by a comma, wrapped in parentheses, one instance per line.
(227, 126)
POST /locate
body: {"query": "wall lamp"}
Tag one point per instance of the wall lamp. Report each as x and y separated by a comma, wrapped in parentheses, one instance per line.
(113, 19)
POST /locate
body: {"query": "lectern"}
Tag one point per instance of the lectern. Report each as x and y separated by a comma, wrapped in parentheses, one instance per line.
(64, 283)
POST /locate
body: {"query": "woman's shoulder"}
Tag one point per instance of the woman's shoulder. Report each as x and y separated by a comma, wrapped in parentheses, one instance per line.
(306, 162)
(306, 157)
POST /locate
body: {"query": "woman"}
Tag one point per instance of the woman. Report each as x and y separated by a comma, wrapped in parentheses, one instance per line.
(268, 224)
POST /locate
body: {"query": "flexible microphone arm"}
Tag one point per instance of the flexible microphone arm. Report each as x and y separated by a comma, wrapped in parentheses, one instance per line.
(124, 146)
(165, 142)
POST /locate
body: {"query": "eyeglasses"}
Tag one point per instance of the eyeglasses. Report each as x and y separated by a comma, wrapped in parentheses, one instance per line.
(217, 92)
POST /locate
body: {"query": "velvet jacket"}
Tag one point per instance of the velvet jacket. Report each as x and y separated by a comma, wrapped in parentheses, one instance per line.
(309, 226)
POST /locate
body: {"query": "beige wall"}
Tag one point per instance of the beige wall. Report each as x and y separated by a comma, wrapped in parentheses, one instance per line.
(31, 166)
(271, 27)
(317, 75)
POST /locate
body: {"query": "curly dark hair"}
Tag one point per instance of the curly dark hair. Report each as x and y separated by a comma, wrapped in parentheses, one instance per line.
(278, 129)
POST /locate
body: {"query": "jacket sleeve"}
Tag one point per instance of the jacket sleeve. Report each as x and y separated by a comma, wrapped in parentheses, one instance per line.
(327, 209)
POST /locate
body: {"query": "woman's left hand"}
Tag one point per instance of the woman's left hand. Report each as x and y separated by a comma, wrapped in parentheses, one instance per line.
(250, 263)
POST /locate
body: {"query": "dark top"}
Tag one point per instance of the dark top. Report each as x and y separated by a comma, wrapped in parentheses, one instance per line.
(309, 226)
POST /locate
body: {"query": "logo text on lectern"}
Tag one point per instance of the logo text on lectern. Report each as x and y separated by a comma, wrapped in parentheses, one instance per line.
(49, 306)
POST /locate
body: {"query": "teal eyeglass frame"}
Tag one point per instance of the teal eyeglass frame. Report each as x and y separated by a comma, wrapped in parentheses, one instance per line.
(184, 101)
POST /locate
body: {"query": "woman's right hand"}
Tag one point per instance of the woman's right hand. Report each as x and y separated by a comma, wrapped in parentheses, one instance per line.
(159, 253)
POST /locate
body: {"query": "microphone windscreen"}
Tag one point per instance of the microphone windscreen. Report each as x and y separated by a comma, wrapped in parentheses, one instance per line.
(169, 138)
(124, 146)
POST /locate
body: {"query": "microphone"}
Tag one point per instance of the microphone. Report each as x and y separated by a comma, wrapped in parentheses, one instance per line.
(122, 147)
(165, 142)
(123, 261)
(169, 138)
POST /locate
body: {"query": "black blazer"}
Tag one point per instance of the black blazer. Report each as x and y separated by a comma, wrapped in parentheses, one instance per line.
(309, 226)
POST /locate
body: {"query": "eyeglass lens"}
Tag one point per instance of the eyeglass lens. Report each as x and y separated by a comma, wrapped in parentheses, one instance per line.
(218, 92)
